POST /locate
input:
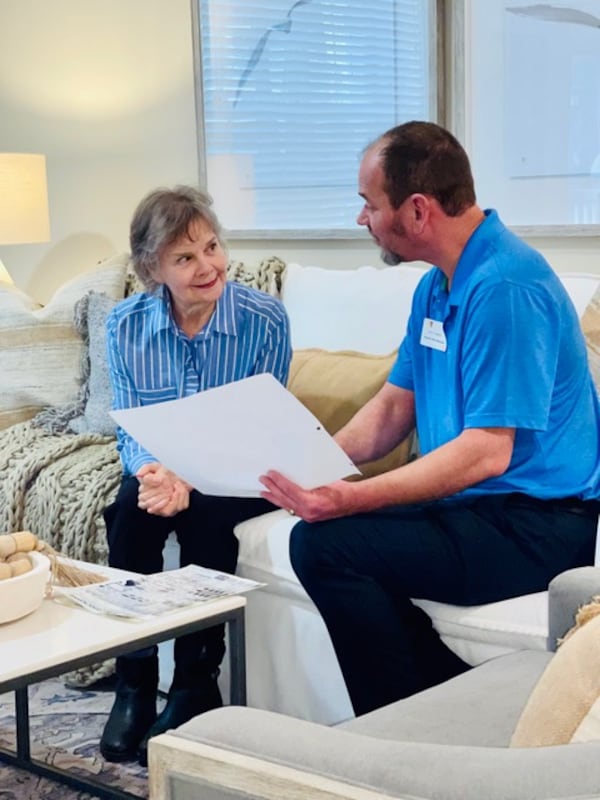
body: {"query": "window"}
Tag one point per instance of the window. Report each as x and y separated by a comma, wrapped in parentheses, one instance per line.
(534, 129)
(290, 93)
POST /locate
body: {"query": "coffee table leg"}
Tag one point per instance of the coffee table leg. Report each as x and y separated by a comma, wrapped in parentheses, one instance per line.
(22, 717)
(21, 758)
(237, 658)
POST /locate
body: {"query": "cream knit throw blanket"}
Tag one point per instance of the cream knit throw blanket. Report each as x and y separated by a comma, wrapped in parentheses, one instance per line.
(57, 486)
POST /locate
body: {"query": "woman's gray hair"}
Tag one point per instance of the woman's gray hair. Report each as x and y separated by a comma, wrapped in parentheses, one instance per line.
(162, 217)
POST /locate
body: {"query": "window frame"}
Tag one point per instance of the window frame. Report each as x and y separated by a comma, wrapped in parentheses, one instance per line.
(439, 62)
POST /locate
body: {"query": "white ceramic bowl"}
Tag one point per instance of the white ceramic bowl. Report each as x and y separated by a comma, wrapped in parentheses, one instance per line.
(24, 593)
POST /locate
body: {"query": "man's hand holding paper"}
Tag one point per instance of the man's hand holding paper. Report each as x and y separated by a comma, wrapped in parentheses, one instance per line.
(312, 505)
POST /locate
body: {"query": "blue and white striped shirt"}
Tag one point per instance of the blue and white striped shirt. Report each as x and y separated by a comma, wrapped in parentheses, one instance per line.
(151, 360)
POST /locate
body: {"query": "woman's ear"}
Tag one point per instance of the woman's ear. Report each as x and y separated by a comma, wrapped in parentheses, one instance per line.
(156, 275)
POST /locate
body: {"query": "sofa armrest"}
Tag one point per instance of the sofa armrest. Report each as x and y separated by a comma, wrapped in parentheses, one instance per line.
(566, 593)
(237, 752)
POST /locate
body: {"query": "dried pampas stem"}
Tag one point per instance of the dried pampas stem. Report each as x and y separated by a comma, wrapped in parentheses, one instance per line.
(63, 573)
(583, 615)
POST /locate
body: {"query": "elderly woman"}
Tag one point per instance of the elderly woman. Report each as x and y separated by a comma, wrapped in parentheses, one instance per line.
(190, 330)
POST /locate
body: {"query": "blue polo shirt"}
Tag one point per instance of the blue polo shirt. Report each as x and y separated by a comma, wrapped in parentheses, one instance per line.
(504, 348)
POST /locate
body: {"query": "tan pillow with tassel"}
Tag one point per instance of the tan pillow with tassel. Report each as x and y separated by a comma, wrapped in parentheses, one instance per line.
(564, 706)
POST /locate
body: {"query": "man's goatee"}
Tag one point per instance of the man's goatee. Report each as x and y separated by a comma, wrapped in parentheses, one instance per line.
(391, 259)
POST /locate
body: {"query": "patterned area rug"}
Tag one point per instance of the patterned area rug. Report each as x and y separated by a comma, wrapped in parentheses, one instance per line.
(65, 725)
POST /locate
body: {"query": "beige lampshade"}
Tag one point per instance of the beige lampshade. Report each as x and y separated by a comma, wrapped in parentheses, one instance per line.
(23, 199)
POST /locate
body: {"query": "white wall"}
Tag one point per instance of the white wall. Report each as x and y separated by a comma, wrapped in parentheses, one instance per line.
(105, 89)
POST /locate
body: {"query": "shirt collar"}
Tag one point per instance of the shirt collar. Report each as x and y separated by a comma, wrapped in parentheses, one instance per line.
(224, 320)
(474, 253)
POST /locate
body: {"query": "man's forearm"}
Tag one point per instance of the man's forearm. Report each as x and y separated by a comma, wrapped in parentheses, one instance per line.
(384, 422)
(474, 456)
(362, 447)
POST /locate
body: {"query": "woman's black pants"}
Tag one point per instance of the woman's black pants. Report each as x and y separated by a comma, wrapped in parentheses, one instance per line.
(205, 533)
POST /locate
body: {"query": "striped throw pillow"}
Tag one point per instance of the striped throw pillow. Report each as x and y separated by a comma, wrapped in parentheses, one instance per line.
(40, 350)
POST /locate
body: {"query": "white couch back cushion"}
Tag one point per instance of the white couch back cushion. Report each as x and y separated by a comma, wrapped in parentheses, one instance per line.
(364, 309)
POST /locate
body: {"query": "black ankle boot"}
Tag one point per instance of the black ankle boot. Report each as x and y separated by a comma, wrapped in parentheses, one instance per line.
(134, 709)
(183, 702)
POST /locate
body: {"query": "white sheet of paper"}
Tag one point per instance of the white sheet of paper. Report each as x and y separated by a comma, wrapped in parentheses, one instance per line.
(221, 440)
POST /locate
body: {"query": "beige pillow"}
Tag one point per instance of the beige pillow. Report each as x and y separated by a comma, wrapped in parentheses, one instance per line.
(564, 706)
(590, 323)
(334, 385)
(40, 350)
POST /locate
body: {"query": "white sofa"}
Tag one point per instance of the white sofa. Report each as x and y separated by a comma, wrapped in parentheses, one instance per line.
(292, 667)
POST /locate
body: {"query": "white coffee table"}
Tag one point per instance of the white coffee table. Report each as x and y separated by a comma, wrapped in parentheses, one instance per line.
(57, 638)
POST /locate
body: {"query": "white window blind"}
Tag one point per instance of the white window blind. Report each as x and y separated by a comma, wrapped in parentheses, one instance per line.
(291, 93)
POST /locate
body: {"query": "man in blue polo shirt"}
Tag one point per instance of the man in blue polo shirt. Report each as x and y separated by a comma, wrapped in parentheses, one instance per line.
(493, 373)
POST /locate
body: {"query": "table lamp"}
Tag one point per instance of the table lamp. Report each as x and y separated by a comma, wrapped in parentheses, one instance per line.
(23, 202)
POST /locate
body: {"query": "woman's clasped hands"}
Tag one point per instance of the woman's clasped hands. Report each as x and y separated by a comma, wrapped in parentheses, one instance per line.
(161, 491)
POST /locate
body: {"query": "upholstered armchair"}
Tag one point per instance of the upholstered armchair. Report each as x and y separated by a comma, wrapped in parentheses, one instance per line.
(456, 741)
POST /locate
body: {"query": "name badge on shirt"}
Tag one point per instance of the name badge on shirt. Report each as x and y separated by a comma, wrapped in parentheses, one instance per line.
(432, 335)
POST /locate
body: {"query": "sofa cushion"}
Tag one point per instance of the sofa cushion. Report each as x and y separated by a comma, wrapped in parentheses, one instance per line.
(365, 309)
(564, 706)
(40, 350)
(479, 707)
(96, 392)
(334, 385)
(480, 632)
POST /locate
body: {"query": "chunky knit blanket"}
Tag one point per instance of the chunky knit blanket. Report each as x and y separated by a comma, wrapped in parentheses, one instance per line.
(57, 487)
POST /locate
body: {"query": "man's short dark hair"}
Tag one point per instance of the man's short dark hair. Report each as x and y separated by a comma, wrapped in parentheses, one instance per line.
(424, 158)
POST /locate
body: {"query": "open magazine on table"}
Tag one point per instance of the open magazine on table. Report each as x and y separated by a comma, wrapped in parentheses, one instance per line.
(142, 596)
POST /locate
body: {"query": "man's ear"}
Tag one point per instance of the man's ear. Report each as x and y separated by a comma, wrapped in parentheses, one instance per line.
(420, 205)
